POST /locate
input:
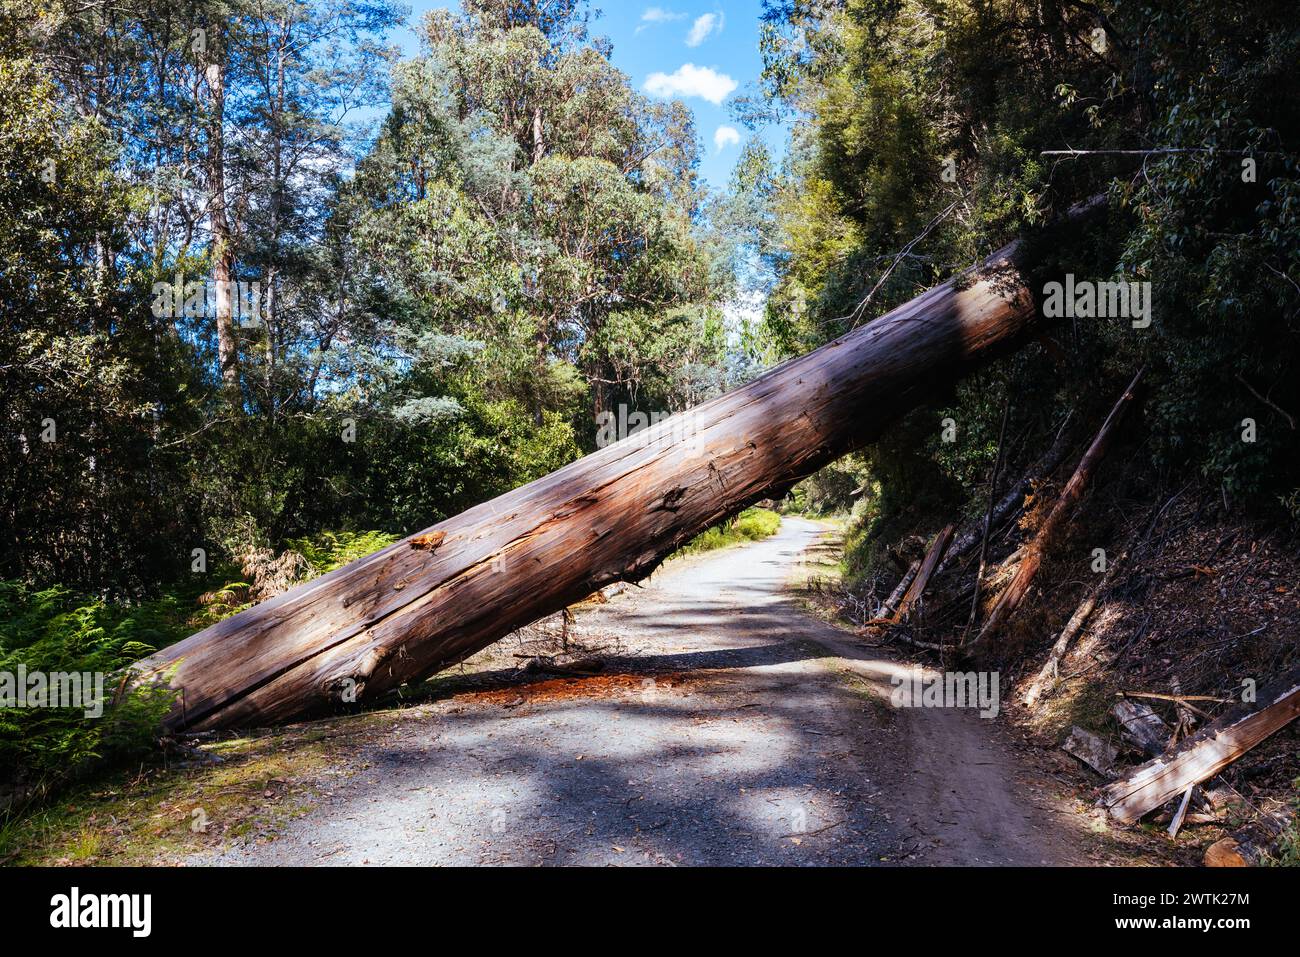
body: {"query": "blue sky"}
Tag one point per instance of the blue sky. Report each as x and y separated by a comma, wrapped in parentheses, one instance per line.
(698, 52)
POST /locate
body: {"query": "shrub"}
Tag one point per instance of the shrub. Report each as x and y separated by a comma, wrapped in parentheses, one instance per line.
(750, 525)
(327, 551)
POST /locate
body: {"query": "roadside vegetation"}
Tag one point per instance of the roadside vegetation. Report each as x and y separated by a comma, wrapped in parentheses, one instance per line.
(55, 630)
(447, 300)
(749, 526)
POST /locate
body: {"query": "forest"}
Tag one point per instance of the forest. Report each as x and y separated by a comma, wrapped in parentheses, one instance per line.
(279, 294)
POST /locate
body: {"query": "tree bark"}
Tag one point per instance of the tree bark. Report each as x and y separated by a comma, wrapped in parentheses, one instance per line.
(223, 247)
(932, 557)
(539, 142)
(430, 601)
(887, 609)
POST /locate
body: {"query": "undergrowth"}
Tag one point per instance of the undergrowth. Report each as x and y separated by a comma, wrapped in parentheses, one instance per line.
(750, 525)
(50, 631)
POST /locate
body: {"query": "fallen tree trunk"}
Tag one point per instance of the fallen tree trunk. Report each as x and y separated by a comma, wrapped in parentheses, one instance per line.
(432, 600)
(915, 582)
(1205, 753)
(1018, 588)
(932, 557)
(964, 543)
(887, 609)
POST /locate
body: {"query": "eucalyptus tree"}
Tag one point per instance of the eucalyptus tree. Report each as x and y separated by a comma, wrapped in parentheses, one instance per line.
(526, 196)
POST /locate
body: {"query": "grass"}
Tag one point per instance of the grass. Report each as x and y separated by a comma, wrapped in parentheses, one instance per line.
(817, 579)
(1086, 703)
(749, 526)
(1288, 849)
(161, 815)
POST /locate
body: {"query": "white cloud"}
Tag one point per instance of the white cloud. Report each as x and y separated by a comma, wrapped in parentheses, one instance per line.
(692, 80)
(653, 16)
(703, 28)
(725, 136)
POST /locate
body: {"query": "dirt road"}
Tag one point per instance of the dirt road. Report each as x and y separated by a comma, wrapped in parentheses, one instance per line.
(735, 730)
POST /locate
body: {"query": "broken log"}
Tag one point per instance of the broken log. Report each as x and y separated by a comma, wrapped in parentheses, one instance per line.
(1148, 732)
(1183, 700)
(1254, 843)
(1092, 750)
(1180, 815)
(963, 544)
(1230, 852)
(932, 558)
(1205, 753)
(428, 602)
(917, 578)
(887, 609)
(1016, 591)
(1142, 726)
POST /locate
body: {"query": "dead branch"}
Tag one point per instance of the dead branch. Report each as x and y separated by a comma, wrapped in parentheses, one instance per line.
(928, 565)
(1015, 592)
(1290, 419)
(988, 515)
(1205, 753)
(1082, 613)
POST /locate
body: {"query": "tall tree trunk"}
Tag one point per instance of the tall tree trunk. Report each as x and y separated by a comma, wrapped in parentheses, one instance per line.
(539, 141)
(223, 249)
(270, 312)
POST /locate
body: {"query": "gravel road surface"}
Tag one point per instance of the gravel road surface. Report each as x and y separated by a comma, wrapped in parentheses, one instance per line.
(733, 728)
